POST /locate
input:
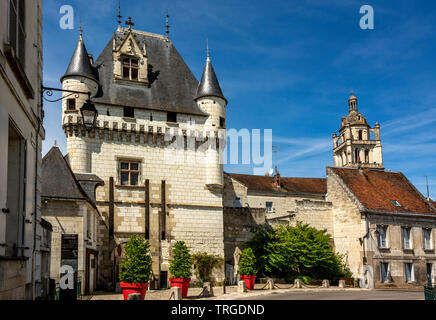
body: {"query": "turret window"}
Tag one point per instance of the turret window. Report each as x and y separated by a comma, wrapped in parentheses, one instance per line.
(71, 104)
(222, 122)
(130, 69)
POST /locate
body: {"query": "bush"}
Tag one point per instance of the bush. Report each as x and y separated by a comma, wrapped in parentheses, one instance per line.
(296, 251)
(204, 264)
(180, 265)
(247, 264)
(137, 266)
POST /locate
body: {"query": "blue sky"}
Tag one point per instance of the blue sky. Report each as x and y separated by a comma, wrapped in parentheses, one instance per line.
(288, 66)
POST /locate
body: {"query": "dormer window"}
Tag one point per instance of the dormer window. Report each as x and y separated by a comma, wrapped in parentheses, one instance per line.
(130, 69)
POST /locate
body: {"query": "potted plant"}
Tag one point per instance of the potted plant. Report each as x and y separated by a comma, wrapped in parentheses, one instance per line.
(247, 268)
(136, 269)
(180, 267)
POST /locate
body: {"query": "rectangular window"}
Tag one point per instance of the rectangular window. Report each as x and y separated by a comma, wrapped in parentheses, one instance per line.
(129, 112)
(71, 104)
(171, 117)
(129, 173)
(382, 236)
(269, 207)
(430, 273)
(130, 69)
(426, 234)
(17, 34)
(88, 225)
(222, 122)
(407, 243)
(15, 192)
(237, 203)
(385, 272)
(409, 272)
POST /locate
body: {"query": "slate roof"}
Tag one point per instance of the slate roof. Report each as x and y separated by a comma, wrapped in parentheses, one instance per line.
(58, 181)
(209, 85)
(80, 64)
(292, 185)
(377, 189)
(172, 86)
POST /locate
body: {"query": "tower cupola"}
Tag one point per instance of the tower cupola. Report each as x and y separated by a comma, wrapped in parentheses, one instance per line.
(352, 102)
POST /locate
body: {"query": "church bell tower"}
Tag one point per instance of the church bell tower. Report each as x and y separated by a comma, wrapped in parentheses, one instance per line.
(357, 145)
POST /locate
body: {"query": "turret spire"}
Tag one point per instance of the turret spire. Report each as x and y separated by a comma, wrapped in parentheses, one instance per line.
(167, 26)
(119, 16)
(79, 63)
(209, 85)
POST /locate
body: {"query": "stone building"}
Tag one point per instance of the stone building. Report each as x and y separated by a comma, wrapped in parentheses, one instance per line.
(79, 232)
(384, 225)
(23, 234)
(357, 143)
(285, 200)
(143, 91)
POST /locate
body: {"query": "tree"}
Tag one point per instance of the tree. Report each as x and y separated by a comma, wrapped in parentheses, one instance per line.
(247, 264)
(137, 266)
(180, 265)
(294, 251)
(204, 264)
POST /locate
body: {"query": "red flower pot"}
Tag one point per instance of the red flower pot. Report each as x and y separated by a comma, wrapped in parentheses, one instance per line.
(183, 284)
(129, 288)
(249, 281)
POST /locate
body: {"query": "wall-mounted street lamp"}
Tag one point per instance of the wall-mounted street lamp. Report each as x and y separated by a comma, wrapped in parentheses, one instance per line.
(88, 111)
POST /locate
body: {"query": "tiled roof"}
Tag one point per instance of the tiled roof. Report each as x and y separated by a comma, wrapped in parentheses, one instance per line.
(294, 185)
(378, 190)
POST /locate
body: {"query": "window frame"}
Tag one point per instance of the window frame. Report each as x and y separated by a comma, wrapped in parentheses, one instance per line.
(267, 208)
(69, 104)
(17, 9)
(130, 68)
(129, 171)
(412, 272)
(429, 230)
(386, 230)
(410, 246)
(387, 278)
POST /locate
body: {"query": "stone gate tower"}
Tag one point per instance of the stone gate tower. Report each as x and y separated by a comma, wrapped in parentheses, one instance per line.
(354, 146)
(143, 89)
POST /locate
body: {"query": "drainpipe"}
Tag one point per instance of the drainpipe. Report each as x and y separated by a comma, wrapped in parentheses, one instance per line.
(366, 236)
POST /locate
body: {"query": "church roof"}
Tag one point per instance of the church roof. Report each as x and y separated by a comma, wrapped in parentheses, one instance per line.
(58, 181)
(80, 64)
(287, 184)
(172, 86)
(209, 85)
(384, 191)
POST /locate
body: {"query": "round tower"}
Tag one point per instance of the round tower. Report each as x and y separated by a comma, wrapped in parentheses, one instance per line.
(211, 101)
(80, 76)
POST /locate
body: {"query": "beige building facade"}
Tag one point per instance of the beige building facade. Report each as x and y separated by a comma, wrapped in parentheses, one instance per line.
(23, 234)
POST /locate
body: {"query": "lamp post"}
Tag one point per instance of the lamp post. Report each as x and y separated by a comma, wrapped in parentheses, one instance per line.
(88, 111)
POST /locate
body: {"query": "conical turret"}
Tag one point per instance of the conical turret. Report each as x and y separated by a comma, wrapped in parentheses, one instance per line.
(209, 86)
(80, 64)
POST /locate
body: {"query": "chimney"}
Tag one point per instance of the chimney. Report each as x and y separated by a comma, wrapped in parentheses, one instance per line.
(277, 178)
